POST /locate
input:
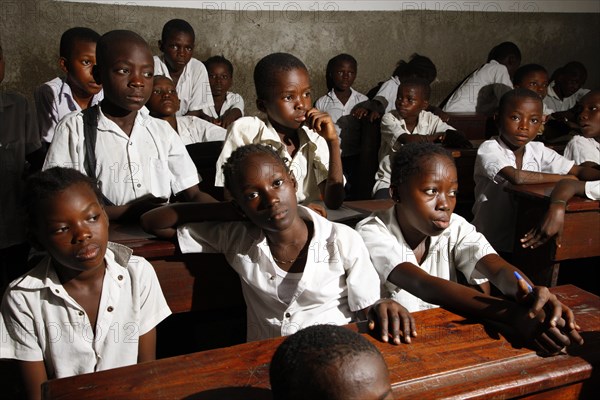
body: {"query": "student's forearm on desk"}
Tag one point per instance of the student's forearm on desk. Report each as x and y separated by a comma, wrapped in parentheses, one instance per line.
(521, 177)
(585, 173)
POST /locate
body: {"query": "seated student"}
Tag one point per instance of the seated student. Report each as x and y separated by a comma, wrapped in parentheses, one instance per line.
(554, 219)
(328, 362)
(565, 89)
(297, 268)
(419, 246)
(189, 74)
(584, 149)
(164, 103)
(228, 106)
(77, 90)
(480, 91)
(19, 144)
(305, 136)
(409, 123)
(140, 160)
(339, 103)
(535, 78)
(514, 158)
(89, 305)
(384, 99)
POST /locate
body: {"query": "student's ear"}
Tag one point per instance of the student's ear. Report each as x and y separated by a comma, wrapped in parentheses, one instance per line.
(294, 181)
(62, 63)
(96, 74)
(260, 104)
(394, 193)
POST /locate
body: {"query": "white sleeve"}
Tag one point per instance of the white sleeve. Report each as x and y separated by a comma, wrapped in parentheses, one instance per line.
(490, 160)
(67, 148)
(18, 329)
(183, 170)
(470, 247)
(46, 111)
(579, 150)
(237, 101)
(201, 92)
(554, 163)
(592, 190)
(234, 138)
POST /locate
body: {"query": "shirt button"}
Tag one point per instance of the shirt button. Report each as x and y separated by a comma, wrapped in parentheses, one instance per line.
(287, 315)
(80, 313)
(56, 290)
(110, 308)
(120, 277)
(272, 277)
(139, 185)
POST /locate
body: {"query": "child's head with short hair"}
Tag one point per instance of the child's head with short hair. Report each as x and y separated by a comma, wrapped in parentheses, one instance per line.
(256, 175)
(220, 74)
(533, 77)
(569, 79)
(413, 97)
(125, 68)
(507, 54)
(77, 58)
(164, 101)
(283, 90)
(341, 72)
(328, 362)
(417, 67)
(177, 44)
(589, 116)
(66, 218)
(520, 115)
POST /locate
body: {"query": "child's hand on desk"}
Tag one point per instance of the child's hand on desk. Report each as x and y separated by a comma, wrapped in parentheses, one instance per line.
(551, 225)
(321, 123)
(319, 209)
(391, 316)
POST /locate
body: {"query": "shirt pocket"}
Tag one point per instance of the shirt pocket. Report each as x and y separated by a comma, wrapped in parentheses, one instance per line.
(160, 178)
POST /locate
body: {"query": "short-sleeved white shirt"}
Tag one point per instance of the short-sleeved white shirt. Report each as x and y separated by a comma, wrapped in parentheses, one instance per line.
(196, 130)
(392, 127)
(494, 211)
(347, 126)
(337, 281)
(309, 164)
(53, 100)
(581, 149)
(193, 87)
(555, 103)
(592, 190)
(388, 92)
(152, 160)
(458, 247)
(482, 90)
(40, 321)
(232, 100)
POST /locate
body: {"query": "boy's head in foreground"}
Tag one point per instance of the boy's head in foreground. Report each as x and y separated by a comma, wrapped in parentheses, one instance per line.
(328, 362)
(533, 77)
(507, 54)
(341, 72)
(66, 218)
(125, 68)
(589, 116)
(177, 44)
(520, 115)
(283, 90)
(164, 101)
(77, 58)
(257, 178)
(424, 184)
(220, 75)
(413, 97)
(569, 79)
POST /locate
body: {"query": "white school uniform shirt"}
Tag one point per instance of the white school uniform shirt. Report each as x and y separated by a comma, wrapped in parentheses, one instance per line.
(153, 160)
(193, 88)
(309, 164)
(592, 190)
(337, 281)
(388, 92)
(458, 247)
(196, 130)
(482, 90)
(232, 100)
(581, 149)
(40, 321)
(347, 126)
(555, 103)
(392, 127)
(18, 138)
(494, 210)
(53, 100)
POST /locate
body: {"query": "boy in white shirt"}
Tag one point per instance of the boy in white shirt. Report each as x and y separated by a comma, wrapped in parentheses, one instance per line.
(228, 106)
(584, 149)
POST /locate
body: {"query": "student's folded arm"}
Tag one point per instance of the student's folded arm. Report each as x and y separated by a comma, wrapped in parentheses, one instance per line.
(147, 346)
(585, 173)
(521, 177)
(193, 193)
(229, 116)
(33, 374)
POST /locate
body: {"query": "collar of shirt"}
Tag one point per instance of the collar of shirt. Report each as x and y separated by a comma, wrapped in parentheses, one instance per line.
(142, 118)
(552, 92)
(422, 127)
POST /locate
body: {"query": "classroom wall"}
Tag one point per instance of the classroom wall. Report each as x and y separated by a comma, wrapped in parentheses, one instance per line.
(457, 42)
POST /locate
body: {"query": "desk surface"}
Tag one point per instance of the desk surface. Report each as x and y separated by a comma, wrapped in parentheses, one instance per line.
(450, 357)
(544, 190)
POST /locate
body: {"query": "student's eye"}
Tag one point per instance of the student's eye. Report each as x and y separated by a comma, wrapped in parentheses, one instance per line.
(514, 117)
(123, 70)
(430, 192)
(251, 196)
(86, 62)
(289, 97)
(452, 193)
(157, 91)
(535, 120)
(94, 218)
(189, 49)
(172, 91)
(173, 46)
(61, 229)
(148, 74)
(278, 183)
(307, 94)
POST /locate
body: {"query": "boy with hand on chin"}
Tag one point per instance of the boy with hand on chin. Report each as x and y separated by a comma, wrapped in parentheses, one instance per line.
(140, 160)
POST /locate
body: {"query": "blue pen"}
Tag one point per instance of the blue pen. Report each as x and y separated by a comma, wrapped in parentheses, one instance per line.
(518, 276)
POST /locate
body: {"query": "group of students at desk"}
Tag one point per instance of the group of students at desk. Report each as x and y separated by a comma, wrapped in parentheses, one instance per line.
(297, 269)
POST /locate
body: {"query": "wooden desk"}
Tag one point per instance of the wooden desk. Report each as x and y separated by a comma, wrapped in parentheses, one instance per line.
(451, 358)
(580, 238)
(473, 125)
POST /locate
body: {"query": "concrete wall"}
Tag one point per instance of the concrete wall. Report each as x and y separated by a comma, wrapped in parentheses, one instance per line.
(457, 42)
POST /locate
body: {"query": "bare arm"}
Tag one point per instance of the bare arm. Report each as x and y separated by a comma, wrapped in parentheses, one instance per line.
(34, 374)
(194, 194)
(585, 173)
(520, 177)
(199, 114)
(147, 346)
(229, 116)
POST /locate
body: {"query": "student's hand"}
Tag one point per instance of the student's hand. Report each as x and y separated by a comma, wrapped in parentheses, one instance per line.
(552, 225)
(134, 209)
(374, 116)
(394, 318)
(321, 123)
(360, 112)
(319, 209)
(215, 121)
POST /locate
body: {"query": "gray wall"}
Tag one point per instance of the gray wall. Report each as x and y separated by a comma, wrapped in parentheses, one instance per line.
(457, 42)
